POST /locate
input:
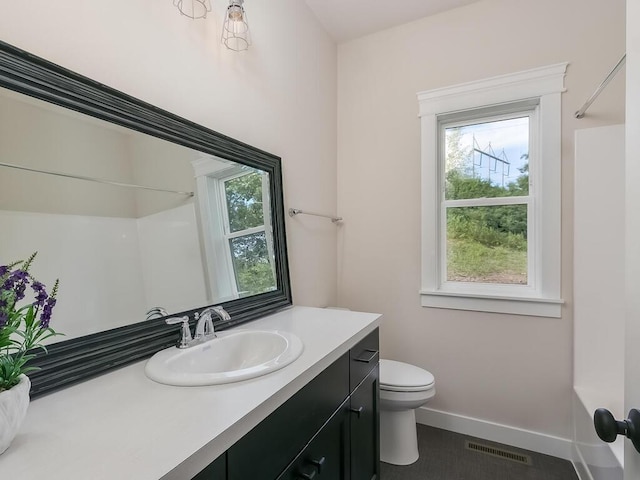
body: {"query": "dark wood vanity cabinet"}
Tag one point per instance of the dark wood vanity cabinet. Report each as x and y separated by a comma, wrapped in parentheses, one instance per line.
(215, 471)
(329, 430)
(365, 428)
(274, 443)
(327, 456)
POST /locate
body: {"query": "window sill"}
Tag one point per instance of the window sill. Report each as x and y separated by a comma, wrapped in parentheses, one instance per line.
(533, 306)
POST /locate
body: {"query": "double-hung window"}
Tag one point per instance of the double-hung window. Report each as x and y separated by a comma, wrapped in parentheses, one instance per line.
(491, 194)
(246, 238)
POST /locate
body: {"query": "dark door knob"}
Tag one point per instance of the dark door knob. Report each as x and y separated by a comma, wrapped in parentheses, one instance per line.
(608, 428)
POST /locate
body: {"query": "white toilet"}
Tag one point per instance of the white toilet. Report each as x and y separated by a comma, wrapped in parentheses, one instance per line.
(403, 388)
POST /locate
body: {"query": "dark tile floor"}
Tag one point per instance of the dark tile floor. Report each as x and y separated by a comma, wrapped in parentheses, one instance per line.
(443, 456)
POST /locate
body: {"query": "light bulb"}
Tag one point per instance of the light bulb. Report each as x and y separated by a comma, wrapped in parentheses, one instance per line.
(235, 30)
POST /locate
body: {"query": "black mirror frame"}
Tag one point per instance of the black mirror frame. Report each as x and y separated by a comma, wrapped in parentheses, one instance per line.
(79, 359)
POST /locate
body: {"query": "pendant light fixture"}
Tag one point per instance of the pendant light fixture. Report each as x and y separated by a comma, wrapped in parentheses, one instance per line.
(235, 30)
(193, 8)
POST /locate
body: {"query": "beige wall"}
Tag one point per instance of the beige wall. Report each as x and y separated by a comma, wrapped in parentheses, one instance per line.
(279, 96)
(41, 138)
(160, 164)
(513, 370)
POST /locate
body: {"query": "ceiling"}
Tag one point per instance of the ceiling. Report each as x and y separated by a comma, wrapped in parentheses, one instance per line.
(349, 19)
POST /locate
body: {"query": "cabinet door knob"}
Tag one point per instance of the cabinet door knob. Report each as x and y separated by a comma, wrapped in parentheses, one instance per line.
(608, 428)
(357, 411)
(318, 464)
(307, 476)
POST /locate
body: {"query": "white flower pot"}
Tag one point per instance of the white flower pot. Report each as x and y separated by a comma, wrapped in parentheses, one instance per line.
(13, 409)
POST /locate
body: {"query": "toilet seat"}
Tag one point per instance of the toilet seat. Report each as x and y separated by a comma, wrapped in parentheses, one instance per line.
(403, 377)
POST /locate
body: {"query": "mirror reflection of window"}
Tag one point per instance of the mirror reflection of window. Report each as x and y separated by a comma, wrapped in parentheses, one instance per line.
(235, 226)
(249, 247)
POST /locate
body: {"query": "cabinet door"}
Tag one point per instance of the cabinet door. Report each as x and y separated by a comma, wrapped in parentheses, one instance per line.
(365, 429)
(270, 447)
(327, 455)
(215, 471)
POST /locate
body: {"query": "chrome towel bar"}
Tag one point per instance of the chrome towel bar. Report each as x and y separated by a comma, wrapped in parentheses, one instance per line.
(294, 211)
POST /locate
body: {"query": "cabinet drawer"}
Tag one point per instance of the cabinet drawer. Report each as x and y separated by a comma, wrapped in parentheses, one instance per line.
(327, 455)
(363, 358)
(267, 449)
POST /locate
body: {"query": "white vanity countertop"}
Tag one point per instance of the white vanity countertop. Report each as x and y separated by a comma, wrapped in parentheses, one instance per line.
(124, 426)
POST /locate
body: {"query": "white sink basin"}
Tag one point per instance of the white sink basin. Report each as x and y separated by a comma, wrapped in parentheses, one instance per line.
(231, 357)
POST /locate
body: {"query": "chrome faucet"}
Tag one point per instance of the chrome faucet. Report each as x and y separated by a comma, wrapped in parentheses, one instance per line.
(204, 327)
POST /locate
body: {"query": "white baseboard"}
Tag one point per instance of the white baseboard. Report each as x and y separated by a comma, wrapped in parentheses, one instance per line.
(592, 458)
(495, 432)
(580, 465)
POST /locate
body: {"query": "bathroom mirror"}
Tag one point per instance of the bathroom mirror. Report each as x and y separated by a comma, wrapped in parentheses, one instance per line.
(115, 213)
(132, 208)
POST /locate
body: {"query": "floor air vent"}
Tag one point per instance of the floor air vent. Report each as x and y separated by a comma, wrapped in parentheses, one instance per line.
(498, 452)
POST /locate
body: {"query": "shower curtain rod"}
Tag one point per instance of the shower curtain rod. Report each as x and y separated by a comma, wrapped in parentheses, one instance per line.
(90, 179)
(580, 113)
(294, 211)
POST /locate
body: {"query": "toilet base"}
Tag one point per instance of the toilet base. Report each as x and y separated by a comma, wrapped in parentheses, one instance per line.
(398, 437)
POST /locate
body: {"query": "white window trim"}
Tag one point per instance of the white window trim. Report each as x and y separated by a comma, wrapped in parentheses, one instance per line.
(547, 85)
(219, 268)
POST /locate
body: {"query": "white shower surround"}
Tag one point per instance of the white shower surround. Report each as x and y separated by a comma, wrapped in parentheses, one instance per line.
(599, 301)
(109, 267)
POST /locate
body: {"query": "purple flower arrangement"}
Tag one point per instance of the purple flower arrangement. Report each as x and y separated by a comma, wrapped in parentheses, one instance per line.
(24, 324)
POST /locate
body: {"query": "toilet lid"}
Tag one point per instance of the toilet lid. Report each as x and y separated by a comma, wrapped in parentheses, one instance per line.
(402, 377)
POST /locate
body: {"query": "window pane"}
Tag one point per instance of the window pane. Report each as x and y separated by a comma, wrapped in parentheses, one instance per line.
(244, 201)
(251, 264)
(487, 244)
(488, 159)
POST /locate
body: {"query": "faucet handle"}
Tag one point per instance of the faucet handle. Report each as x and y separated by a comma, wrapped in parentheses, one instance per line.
(185, 332)
(176, 320)
(156, 312)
